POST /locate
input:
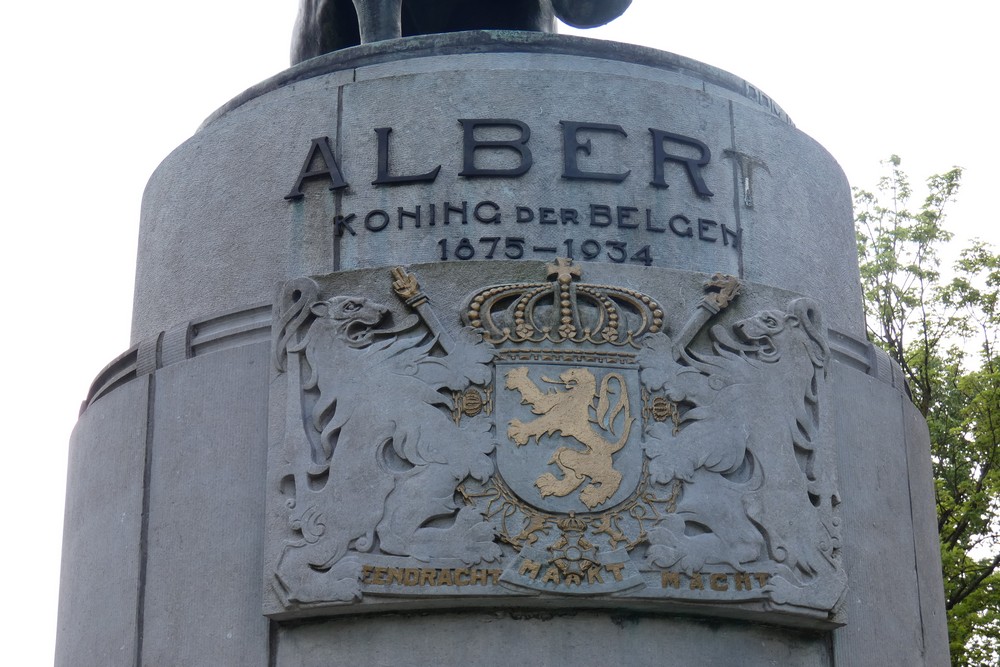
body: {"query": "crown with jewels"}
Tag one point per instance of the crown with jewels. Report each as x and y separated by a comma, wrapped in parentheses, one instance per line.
(563, 310)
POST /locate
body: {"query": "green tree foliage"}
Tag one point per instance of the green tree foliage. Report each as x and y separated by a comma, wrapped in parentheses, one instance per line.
(942, 328)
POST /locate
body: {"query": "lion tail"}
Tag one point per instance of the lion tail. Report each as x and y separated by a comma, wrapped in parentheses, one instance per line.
(608, 413)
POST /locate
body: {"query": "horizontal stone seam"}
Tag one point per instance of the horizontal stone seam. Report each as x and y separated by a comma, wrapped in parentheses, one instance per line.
(230, 329)
(246, 326)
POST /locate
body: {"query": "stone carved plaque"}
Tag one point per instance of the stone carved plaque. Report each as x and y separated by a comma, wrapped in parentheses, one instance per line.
(551, 440)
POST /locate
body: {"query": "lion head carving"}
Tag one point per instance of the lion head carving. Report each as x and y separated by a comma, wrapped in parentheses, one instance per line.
(353, 319)
(772, 332)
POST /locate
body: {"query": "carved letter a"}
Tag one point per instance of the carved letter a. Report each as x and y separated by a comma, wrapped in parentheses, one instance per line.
(328, 168)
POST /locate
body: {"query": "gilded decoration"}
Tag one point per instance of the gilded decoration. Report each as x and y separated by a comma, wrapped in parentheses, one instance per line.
(564, 438)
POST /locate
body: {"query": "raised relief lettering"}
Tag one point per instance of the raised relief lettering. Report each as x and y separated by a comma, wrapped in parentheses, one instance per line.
(319, 163)
(692, 165)
(383, 176)
(508, 145)
(470, 146)
(572, 147)
(529, 568)
(495, 148)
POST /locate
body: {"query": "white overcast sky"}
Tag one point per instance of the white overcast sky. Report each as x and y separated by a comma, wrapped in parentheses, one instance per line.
(97, 92)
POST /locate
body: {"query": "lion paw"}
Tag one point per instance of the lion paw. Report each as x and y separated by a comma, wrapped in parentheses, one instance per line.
(469, 538)
(518, 432)
(668, 548)
(550, 485)
(545, 484)
(662, 555)
(593, 495)
(663, 470)
(483, 550)
(300, 582)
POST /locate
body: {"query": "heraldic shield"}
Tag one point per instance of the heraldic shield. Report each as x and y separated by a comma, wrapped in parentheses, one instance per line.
(568, 425)
(573, 442)
(556, 438)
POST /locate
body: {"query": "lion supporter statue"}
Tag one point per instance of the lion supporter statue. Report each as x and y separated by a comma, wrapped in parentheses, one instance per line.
(328, 25)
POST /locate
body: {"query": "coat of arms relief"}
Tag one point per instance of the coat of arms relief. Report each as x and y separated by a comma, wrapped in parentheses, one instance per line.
(552, 439)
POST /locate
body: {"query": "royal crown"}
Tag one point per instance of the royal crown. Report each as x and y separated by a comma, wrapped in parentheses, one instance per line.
(563, 310)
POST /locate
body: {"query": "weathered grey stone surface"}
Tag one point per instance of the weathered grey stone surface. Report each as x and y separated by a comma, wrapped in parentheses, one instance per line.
(889, 557)
(546, 640)
(240, 166)
(879, 544)
(927, 553)
(219, 237)
(205, 540)
(798, 214)
(728, 506)
(101, 584)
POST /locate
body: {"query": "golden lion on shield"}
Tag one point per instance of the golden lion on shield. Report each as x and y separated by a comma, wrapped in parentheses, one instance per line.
(568, 412)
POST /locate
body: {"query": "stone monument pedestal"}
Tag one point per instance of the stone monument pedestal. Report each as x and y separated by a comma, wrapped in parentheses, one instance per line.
(491, 348)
